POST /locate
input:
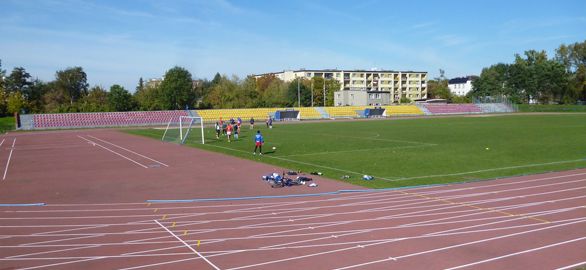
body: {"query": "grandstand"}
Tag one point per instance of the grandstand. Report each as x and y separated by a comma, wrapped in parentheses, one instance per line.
(345, 112)
(435, 108)
(104, 119)
(210, 116)
(161, 118)
(402, 110)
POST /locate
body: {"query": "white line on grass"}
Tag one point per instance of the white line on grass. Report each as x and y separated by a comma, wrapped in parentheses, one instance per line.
(129, 151)
(187, 245)
(110, 150)
(361, 150)
(9, 157)
(487, 170)
(300, 162)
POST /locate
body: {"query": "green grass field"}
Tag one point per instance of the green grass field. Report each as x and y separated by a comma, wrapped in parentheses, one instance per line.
(420, 151)
(6, 124)
(551, 108)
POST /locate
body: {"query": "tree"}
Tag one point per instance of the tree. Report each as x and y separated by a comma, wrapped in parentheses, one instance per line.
(304, 90)
(71, 84)
(140, 85)
(16, 102)
(35, 97)
(176, 90)
(119, 99)
(95, 101)
(2, 77)
(19, 81)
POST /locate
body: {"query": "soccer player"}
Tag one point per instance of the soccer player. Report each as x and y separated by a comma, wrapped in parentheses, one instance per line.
(229, 132)
(218, 130)
(251, 122)
(236, 128)
(258, 142)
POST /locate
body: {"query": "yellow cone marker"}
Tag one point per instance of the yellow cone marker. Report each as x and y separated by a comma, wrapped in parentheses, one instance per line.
(156, 209)
(198, 243)
(173, 225)
(184, 232)
(164, 217)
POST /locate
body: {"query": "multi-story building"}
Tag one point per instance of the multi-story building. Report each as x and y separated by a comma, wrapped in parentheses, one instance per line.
(462, 85)
(366, 87)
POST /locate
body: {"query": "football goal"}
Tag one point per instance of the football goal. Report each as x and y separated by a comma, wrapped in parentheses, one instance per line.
(184, 129)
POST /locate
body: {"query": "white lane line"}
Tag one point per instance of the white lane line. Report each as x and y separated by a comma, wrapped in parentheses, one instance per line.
(108, 149)
(487, 170)
(458, 245)
(516, 253)
(571, 266)
(187, 245)
(129, 151)
(61, 263)
(9, 157)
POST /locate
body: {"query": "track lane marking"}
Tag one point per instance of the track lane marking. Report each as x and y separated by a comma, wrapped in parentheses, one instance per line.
(9, 157)
(110, 150)
(129, 151)
(187, 245)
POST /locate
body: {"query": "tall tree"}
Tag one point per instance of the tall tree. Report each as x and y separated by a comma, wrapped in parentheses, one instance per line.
(19, 81)
(96, 100)
(35, 96)
(120, 99)
(71, 83)
(177, 89)
(140, 85)
(16, 102)
(2, 77)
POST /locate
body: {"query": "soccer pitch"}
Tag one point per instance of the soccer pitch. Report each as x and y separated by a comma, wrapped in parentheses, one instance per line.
(408, 152)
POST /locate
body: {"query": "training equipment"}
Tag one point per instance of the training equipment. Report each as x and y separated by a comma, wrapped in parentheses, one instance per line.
(487, 148)
(274, 148)
(183, 128)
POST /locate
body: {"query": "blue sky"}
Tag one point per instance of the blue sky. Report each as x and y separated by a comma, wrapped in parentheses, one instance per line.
(117, 42)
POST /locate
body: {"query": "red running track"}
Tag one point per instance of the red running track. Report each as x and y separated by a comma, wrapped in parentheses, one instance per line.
(529, 222)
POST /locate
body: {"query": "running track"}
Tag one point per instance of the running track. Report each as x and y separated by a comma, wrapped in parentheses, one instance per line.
(529, 222)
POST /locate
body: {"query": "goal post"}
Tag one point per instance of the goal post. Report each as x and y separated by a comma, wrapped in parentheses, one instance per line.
(184, 128)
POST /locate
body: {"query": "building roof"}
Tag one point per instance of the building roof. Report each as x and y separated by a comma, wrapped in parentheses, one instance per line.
(462, 79)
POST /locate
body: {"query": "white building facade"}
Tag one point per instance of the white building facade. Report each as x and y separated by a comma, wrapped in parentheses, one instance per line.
(461, 86)
(364, 87)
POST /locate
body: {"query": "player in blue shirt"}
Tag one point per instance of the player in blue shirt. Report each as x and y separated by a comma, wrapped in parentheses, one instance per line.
(258, 142)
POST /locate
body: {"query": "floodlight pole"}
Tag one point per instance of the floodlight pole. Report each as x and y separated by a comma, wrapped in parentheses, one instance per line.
(324, 91)
(312, 92)
(298, 94)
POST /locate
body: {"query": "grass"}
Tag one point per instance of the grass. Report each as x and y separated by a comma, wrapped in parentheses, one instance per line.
(416, 151)
(551, 108)
(6, 124)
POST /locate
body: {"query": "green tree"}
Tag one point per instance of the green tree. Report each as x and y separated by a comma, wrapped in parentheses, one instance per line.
(16, 102)
(2, 77)
(71, 84)
(3, 102)
(35, 97)
(96, 100)
(19, 81)
(119, 99)
(304, 87)
(176, 90)
(147, 99)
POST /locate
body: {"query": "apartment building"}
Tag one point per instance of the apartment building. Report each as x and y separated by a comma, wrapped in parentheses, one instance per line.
(366, 87)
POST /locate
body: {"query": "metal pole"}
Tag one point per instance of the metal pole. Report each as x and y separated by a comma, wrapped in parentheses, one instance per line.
(311, 92)
(324, 91)
(298, 94)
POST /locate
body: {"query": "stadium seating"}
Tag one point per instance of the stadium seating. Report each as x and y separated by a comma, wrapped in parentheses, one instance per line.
(105, 119)
(402, 110)
(214, 115)
(452, 108)
(309, 113)
(346, 111)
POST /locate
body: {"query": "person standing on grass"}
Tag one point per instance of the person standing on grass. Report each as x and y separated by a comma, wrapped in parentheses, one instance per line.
(236, 131)
(270, 122)
(229, 132)
(258, 142)
(251, 122)
(218, 130)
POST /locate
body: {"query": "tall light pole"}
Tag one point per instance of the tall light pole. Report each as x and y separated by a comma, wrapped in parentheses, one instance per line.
(311, 92)
(324, 91)
(298, 94)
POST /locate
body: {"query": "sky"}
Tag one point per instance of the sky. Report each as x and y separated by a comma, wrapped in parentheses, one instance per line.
(118, 42)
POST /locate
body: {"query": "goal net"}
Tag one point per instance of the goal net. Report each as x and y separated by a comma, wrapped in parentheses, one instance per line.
(184, 129)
